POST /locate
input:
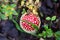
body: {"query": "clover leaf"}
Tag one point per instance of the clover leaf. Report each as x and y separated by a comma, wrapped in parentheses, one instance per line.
(48, 18)
(53, 18)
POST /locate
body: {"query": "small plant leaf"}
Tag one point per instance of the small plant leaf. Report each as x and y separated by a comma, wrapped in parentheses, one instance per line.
(57, 33)
(44, 34)
(53, 18)
(57, 38)
(34, 26)
(3, 10)
(3, 17)
(49, 33)
(10, 17)
(23, 11)
(46, 27)
(48, 18)
(13, 5)
(14, 12)
(40, 35)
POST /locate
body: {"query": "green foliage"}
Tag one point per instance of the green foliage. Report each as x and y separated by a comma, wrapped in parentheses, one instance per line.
(44, 34)
(57, 38)
(46, 27)
(23, 11)
(34, 26)
(3, 17)
(47, 33)
(57, 35)
(6, 0)
(17, 26)
(40, 35)
(13, 5)
(7, 11)
(48, 18)
(55, 0)
(52, 19)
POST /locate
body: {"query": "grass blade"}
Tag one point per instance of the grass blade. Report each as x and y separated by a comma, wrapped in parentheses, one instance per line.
(17, 26)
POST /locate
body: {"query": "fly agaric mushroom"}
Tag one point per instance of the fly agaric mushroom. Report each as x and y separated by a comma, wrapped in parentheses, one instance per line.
(29, 17)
